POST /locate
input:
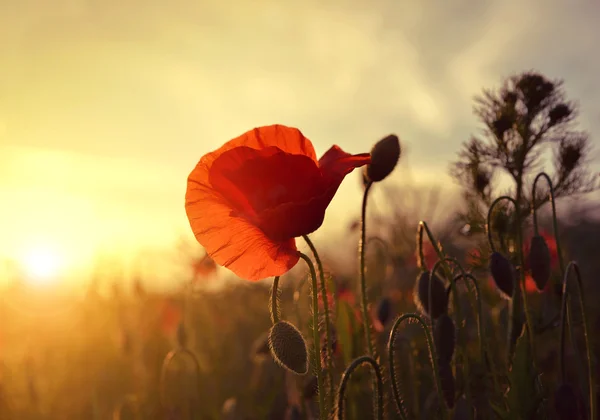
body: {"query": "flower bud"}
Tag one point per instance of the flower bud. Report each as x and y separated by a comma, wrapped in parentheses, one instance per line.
(384, 157)
(503, 274)
(539, 261)
(439, 298)
(444, 338)
(384, 310)
(288, 347)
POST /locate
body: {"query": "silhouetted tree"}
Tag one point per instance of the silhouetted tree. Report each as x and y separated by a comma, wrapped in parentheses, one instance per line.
(524, 119)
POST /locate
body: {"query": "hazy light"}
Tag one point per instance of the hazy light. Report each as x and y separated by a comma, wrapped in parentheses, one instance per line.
(41, 264)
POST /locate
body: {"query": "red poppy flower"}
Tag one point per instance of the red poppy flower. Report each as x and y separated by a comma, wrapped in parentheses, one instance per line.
(248, 200)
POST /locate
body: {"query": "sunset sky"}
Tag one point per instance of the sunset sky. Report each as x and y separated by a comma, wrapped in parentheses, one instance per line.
(106, 105)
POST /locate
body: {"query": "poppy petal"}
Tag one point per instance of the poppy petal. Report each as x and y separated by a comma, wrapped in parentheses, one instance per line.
(335, 164)
(255, 180)
(288, 139)
(232, 241)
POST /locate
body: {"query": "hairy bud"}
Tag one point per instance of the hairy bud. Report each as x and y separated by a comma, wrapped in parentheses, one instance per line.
(384, 310)
(444, 338)
(439, 298)
(288, 347)
(539, 261)
(384, 157)
(503, 274)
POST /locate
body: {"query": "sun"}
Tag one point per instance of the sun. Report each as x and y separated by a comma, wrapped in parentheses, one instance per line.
(41, 265)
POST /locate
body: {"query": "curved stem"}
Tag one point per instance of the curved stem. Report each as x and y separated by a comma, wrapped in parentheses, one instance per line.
(165, 367)
(346, 377)
(521, 271)
(316, 336)
(459, 316)
(572, 266)
(436, 247)
(554, 218)
(432, 354)
(274, 301)
(469, 276)
(561, 262)
(363, 283)
(327, 322)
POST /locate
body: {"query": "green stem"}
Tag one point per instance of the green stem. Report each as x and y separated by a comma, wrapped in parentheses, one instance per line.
(423, 227)
(433, 357)
(363, 283)
(471, 278)
(327, 321)
(274, 301)
(521, 271)
(316, 336)
(346, 377)
(565, 295)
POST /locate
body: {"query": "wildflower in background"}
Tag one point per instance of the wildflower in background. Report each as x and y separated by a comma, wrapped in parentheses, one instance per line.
(170, 317)
(247, 201)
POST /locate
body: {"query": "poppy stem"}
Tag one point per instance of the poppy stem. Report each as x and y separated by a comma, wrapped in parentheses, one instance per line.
(561, 262)
(458, 315)
(363, 283)
(521, 272)
(165, 367)
(274, 301)
(482, 341)
(573, 266)
(327, 321)
(316, 336)
(432, 356)
(346, 377)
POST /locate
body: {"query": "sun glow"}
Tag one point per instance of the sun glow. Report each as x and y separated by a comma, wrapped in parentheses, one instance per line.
(41, 264)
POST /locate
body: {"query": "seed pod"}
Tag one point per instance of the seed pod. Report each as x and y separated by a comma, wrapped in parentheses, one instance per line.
(566, 403)
(288, 347)
(448, 385)
(182, 337)
(503, 274)
(384, 157)
(439, 298)
(444, 338)
(384, 310)
(539, 261)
